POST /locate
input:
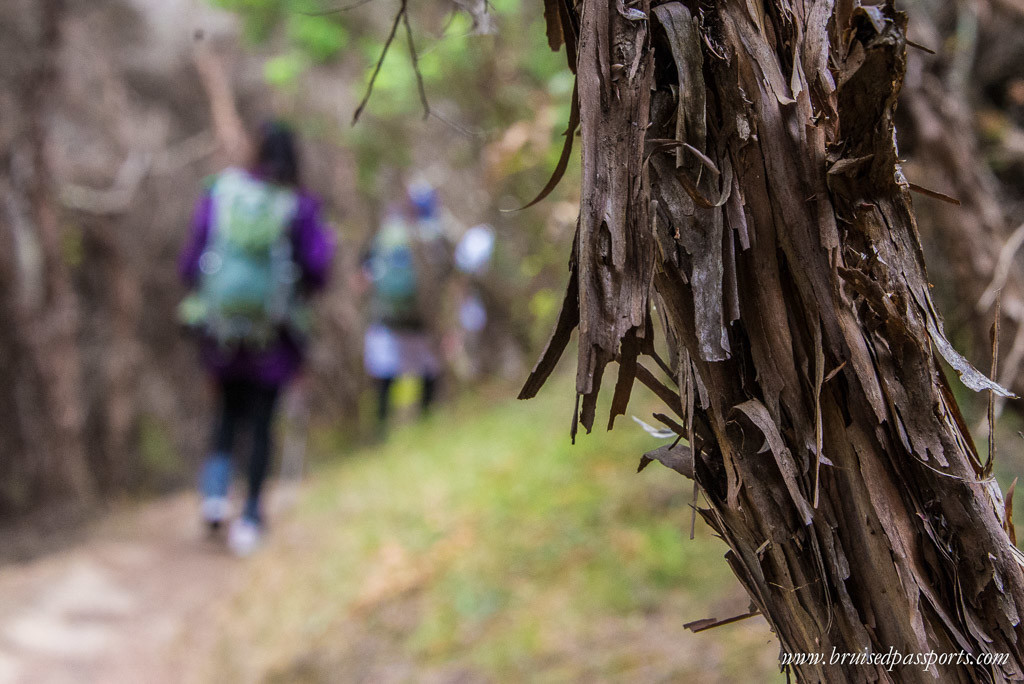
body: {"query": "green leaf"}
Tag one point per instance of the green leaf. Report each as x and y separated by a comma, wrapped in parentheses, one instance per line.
(319, 37)
(284, 70)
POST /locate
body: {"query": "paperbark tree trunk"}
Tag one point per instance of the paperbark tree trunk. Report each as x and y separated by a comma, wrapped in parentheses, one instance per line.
(741, 184)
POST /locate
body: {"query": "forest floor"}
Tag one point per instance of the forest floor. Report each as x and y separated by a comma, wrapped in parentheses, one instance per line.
(474, 546)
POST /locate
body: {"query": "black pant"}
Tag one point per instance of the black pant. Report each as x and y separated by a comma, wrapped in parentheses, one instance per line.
(246, 402)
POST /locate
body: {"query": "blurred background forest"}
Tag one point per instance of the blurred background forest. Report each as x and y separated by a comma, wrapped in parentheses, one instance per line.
(112, 112)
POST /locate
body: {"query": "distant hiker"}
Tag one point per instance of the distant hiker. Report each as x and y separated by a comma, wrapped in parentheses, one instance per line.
(257, 251)
(405, 265)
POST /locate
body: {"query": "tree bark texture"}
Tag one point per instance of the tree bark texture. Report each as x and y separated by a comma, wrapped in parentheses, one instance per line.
(741, 185)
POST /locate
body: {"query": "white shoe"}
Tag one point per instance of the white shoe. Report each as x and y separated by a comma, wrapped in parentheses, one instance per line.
(244, 537)
(215, 510)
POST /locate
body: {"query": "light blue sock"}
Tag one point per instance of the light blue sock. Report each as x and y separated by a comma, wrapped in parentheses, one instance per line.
(215, 477)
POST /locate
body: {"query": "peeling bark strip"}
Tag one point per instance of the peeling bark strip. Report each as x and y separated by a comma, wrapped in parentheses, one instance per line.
(740, 160)
(614, 250)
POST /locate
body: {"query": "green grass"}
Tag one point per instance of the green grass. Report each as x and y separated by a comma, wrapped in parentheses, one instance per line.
(480, 544)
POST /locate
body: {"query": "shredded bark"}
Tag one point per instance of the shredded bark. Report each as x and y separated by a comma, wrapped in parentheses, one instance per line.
(740, 170)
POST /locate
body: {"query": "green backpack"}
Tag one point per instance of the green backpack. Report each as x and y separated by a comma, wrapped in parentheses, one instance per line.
(248, 281)
(392, 267)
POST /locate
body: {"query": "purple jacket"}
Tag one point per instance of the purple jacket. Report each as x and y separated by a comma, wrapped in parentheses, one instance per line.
(313, 248)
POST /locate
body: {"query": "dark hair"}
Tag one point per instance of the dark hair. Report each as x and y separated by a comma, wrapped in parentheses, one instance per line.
(277, 158)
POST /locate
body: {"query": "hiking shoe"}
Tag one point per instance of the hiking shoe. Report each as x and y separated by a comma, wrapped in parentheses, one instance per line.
(214, 481)
(245, 536)
(215, 510)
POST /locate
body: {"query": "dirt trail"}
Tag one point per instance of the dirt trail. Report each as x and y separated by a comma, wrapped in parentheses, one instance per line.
(132, 601)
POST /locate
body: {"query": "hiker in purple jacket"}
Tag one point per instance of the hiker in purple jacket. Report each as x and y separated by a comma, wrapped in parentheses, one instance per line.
(257, 251)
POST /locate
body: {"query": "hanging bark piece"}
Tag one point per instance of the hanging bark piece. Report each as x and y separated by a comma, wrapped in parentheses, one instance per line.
(699, 233)
(615, 246)
(677, 457)
(568, 319)
(553, 20)
(563, 159)
(758, 415)
(969, 375)
(684, 39)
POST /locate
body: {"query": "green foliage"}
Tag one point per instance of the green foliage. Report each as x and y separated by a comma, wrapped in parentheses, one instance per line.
(319, 37)
(312, 36)
(543, 307)
(284, 70)
(258, 16)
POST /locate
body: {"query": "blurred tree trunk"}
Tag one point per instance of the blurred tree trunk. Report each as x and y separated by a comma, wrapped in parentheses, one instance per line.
(741, 185)
(973, 245)
(45, 432)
